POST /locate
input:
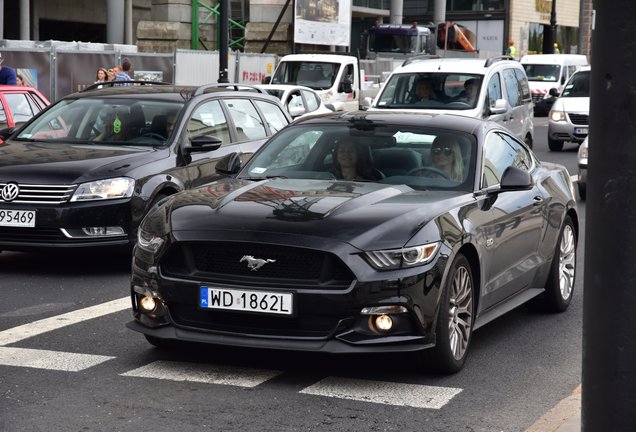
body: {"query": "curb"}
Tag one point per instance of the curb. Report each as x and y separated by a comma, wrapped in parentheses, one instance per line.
(564, 417)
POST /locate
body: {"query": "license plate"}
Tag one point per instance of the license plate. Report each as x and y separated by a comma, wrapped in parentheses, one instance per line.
(246, 300)
(580, 131)
(17, 218)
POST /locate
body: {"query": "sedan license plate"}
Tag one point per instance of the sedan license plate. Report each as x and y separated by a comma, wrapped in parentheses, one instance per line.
(581, 131)
(17, 218)
(246, 301)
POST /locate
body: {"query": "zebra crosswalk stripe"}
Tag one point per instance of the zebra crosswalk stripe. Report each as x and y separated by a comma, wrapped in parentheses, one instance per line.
(52, 360)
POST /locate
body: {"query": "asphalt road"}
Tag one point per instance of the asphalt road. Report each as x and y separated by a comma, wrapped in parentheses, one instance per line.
(68, 363)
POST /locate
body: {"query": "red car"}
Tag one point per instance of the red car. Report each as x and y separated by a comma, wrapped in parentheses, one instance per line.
(18, 104)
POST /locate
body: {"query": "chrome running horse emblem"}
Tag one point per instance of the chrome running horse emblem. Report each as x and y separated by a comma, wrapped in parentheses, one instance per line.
(255, 263)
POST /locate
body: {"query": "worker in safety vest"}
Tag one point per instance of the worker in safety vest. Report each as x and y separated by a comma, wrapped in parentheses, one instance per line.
(512, 49)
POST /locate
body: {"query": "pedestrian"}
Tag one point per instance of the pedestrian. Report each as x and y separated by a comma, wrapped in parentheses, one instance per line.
(7, 74)
(512, 49)
(101, 76)
(122, 73)
(556, 48)
(19, 80)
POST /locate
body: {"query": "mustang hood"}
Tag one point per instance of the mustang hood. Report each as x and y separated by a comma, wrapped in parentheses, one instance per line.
(359, 213)
(60, 163)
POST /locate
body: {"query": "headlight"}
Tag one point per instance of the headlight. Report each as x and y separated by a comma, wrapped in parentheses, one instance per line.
(403, 257)
(148, 241)
(119, 187)
(557, 116)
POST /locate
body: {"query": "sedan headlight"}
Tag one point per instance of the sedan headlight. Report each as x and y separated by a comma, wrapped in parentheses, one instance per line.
(401, 258)
(118, 187)
(557, 116)
(148, 241)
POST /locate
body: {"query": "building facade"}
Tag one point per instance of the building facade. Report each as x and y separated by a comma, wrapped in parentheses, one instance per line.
(268, 25)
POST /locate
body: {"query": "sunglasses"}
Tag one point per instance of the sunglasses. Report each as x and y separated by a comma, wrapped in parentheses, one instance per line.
(439, 150)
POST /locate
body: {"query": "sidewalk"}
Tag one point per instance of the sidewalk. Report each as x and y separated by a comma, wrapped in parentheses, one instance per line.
(564, 417)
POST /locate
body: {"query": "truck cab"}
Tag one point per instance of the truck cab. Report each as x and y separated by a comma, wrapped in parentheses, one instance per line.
(336, 78)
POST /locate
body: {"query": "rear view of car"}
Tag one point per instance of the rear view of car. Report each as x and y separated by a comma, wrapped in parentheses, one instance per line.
(569, 117)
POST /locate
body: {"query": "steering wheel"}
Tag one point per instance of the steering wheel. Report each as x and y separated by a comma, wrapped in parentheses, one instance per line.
(435, 172)
(153, 135)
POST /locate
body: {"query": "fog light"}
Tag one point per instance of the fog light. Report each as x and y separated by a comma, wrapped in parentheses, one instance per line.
(148, 303)
(383, 322)
(103, 231)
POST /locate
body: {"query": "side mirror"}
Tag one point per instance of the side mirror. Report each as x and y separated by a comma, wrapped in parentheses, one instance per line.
(203, 143)
(554, 92)
(366, 103)
(296, 111)
(6, 133)
(229, 164)
(515, 178)
(500, 107)
(345, 87)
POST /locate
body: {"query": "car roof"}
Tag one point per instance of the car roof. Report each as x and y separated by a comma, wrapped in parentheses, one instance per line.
(455, 65)
(554, 59)
(320, 58)
(169, 91)
(442, 121)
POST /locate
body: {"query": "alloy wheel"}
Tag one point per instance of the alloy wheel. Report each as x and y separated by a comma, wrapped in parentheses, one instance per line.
(460, 312)
(567, 260)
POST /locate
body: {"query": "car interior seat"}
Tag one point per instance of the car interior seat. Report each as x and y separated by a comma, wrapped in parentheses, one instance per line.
(395, 161)
(159, 125)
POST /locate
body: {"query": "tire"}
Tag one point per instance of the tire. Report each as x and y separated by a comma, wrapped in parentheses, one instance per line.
(528, 141)
(456, 319)
(555, 145)
(560, 284)
(582, 190)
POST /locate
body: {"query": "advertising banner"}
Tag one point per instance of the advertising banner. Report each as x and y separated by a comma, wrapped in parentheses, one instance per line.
(322, 22)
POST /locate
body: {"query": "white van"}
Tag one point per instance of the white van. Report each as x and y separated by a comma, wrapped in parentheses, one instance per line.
(494, 89)
(548, 71)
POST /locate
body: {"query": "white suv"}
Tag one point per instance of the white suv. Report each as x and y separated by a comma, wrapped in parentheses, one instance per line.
(500, 91)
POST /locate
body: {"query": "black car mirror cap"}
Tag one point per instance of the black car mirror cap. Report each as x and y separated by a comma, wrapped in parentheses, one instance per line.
(6, 133)
(229, 164)
(203, 143)
(515, 178)
(554, 92)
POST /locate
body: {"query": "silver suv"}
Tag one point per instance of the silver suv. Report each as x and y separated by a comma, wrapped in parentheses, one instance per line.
(495, 89)
(569, 117)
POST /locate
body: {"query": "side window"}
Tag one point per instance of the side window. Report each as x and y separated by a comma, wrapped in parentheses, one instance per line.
(19, 106)
(208, 119)
(248, 123)
(312, 100)
(494, 90)
(347, 76)
(512, 88)
(498, 155)
(522, 158)
(39, 100)
(274, 116)
(524, 87)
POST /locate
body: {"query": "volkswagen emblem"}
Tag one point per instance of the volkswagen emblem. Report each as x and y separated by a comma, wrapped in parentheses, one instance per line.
(10, 191)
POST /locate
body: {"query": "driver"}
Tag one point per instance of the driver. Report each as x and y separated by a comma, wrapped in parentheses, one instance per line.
(446, 156)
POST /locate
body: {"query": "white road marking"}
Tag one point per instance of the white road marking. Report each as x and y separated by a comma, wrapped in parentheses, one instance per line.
(389, 393)
(35, 328)
(203, 373)
(53, 360)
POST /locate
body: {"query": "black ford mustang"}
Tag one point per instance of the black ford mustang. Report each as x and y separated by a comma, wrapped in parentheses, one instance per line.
(360, 232)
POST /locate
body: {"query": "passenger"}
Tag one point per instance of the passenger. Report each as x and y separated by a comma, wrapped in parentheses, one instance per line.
(353, 162)
(446, 156)
(470, 91)
(114, 126)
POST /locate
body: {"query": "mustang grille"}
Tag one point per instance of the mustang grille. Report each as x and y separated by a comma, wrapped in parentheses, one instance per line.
(579, 119)
(298, 267)
(42, 194)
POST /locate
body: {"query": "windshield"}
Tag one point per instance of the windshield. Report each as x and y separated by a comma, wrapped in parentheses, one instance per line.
(315, 75)
(578, 86)
(447, 91)
(422, 158)
(542, 72)
(125, 121)
(384, 42)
